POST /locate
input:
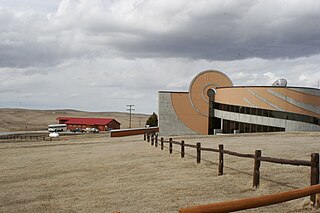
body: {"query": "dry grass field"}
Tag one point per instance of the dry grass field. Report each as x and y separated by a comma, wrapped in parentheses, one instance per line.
(94, 173)
(24, 119)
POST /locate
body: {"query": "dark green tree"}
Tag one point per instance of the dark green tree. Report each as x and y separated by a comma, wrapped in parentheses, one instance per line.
(152, 120)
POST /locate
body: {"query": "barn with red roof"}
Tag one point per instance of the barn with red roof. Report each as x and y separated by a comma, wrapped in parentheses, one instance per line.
(102, 124)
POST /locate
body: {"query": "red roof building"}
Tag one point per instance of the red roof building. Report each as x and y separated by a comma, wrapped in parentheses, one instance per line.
(102, 124)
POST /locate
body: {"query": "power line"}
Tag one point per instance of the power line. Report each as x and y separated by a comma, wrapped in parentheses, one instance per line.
(130, 110)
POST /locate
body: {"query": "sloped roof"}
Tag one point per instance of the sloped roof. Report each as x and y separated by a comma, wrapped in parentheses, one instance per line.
(86, 121)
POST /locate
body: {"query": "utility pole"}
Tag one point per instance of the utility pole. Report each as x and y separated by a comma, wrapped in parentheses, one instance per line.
(130, 110)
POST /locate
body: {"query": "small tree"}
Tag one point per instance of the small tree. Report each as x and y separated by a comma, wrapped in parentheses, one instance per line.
(152, 120)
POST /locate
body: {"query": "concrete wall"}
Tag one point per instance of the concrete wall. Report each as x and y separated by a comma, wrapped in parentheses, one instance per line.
(169, 123)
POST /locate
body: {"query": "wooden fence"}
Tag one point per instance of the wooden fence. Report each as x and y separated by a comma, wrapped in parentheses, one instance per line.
(24, 137)
(253, 202)
(257, 157)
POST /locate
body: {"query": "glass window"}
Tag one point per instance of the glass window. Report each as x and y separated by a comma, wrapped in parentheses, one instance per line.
(227, 107)
(237, 125)
(247, 110)
(224, 126)
(253, 128)
(246, 127)
(265, 129)
(216, 105)
(265, 112)
(241, 127)
(232, 126)
(259, 128)
(271, 114)
(236, 109)
(277, 129)
(277, 114)
(228, 126)
(241, 110)
(253, 111)
(259, 112)
(271, 129)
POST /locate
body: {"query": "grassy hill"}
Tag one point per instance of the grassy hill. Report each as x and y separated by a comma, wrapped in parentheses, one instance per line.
(30, 119)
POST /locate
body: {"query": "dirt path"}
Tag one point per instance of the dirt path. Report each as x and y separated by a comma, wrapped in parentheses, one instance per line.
(126, 174)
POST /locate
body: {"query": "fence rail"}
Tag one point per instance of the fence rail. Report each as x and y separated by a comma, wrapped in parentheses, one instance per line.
(253, 202)
(209, 149)
(286, 161)
(257, 157)
(237, 154)
(24, 137)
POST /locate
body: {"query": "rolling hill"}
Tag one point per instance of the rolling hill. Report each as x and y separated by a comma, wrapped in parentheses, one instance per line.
(31, 119)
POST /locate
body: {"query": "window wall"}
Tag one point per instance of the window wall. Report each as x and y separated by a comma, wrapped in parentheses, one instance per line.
(266, 113)
(229, 127)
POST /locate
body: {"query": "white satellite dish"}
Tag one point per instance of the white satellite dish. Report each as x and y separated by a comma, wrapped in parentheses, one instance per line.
(280, 83)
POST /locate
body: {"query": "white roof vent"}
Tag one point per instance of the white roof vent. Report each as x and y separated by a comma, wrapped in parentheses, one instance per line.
(280, 83)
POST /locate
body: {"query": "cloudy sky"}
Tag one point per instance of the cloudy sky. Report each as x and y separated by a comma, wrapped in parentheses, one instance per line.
(100, 55)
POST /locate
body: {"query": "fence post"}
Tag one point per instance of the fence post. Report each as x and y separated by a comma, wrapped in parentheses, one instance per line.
(156, 141)
(152, 139)
(144, 136)
(161, 140)
(256, 169)
(314, 176)
(182, 149)
(170, 145)
(198, 152)
(220, 159)
(148, 137)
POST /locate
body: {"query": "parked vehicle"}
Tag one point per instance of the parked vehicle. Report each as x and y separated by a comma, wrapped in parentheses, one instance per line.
(57, 127)
(90, 130)
(94, 130)
(76, 130)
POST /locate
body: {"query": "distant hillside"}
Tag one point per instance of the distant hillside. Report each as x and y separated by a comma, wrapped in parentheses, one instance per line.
(25, 119)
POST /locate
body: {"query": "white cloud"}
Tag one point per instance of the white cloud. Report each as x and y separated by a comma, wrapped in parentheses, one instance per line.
(108, 84)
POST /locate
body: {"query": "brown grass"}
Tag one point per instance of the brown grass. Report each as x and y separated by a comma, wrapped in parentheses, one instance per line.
(94, 173)
(23, 119)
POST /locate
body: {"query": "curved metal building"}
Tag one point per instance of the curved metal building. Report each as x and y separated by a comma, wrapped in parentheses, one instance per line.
(214, 105)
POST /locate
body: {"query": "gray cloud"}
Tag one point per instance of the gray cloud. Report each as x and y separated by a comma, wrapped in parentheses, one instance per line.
(115, 82)
(214, 30)
(251, 31)
(101, 55)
